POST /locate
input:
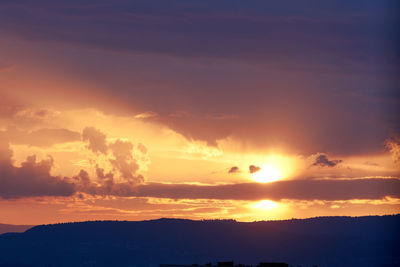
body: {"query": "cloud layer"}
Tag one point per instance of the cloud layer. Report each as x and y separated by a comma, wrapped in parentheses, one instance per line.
(264, 74)
(295, 189)
(120, 176)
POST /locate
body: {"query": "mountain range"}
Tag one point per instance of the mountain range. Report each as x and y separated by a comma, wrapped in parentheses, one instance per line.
(321, 241)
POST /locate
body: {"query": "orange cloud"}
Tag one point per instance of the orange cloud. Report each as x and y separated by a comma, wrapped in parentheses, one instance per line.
(96, 139)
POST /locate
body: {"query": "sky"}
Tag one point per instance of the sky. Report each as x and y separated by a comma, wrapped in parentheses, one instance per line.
(199, 109)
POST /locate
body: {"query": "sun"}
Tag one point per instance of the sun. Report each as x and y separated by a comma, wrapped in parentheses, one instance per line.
(273, 167)
(268, 173)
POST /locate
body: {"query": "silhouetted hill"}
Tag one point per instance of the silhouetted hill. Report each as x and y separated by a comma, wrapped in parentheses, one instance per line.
(6, 228)
(325, 241)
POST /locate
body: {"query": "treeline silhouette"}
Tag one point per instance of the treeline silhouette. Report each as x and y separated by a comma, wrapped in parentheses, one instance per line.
(323, 241)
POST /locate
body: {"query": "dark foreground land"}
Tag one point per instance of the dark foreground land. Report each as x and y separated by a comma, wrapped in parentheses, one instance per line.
(326, 241)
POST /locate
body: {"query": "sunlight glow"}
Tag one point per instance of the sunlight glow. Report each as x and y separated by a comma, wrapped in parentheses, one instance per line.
(268, 173)
(265, 205)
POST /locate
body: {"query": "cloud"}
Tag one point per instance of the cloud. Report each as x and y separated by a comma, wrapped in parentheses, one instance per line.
(96, 139)
(200, 37)
(31, 179)
(83, 178)
(234, 169)
(253, 168)
(374, 188)
(393, 145)
(323, 161)
(124, 161)
(42, 137)
(280, 38)
(100, 174)
(120, 154)
(106, 185)
(123, 177)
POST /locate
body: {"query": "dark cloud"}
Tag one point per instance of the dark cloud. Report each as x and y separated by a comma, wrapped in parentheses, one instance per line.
(42, 137)
(203, 28)
(83, 179)
(373, 188)
(33, 178)
(253, 168)
(193, 126)
(234, 169)
(323, 161)
(247, 58)
(97, 140)
(106, 185)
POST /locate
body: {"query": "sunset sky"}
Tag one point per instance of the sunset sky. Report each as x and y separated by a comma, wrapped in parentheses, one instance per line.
(199, 109)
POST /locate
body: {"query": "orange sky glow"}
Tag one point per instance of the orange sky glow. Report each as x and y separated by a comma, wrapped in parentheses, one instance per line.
(92, 133)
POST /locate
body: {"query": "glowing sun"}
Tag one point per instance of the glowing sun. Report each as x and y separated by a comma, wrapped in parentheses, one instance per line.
(268, 173)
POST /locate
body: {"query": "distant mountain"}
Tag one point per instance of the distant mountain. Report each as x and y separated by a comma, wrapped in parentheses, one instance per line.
(325, 241)
(6, 228)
